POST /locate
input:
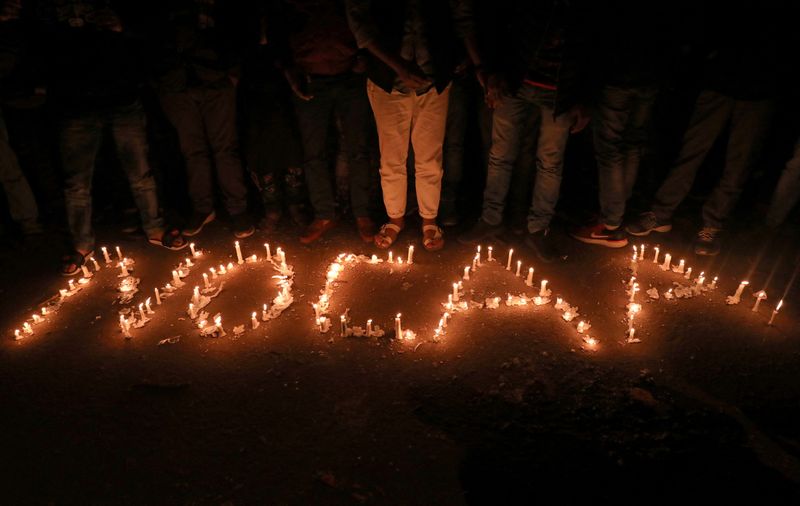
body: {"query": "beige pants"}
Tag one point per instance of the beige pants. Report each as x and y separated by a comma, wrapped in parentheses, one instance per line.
(401, 117)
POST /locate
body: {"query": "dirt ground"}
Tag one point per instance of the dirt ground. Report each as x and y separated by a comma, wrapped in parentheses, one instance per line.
(507, 408)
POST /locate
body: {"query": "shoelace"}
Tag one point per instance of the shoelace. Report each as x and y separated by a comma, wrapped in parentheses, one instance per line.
(707, 234)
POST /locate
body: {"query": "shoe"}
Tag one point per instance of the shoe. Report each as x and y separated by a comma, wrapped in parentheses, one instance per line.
(646, 223)
(316, 229)
(542, 245)
(242, 226)
(601, 235)
(197, 222)
(707, 242)
(448, 214)
(480, 231)
(366, 229)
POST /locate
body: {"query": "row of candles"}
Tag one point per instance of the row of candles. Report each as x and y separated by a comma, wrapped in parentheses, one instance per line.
(54, 303)
(455, 304)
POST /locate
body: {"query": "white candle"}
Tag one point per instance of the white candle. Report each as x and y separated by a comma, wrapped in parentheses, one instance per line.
(119, 253)
(713, 283)
(398, 328)
(681, 266)
(71, 285)
(635, 254)
(475, 262)
(466, 273)
(192, 312)
(196, 295)
(254, 321)
(655, 257)
(455, 292)
(759, 297)
(446, 318)
(158, 297)
(96, 265)
(369, 328)
(85, 271)
(105, 255)
(631, 332)
(17, 335)
(206, 282)
(478, 254)
(391, 257)
(141, 311)
(688, 274)
(26, 327)
(189, 262)
(543, 289)
(147, 306)
(281, 255)
(667, 262)
(632, 281)
(218, 324)
(374, 259)
(529, 280)
(239, 258)
(411, 254)
(581, 326)
(641, 253)
(44, 311)
(449, 300)
(508, 264)
(775, 312)
(491, 251)
(213, 272)
(123, 269)
(269, 254)
(123, 325)
(175, 278)
(316, 310)
(701, 279)
(634, 289)
(519, 267)
(739, 290)
(36, 318)
(264, 313)
(343, 326)
(192, 249)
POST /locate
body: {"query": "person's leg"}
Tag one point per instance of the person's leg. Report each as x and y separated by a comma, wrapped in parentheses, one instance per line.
(130, 138)
(550, 148)
(749, 125)
(635, 136)
(455, 136)
(314, 121)
(352, 107)
(184, 113)
(427, 138)
(612, 115)
(711, 112)
(787, 192)
(393, 113)
(21, 203)
(79, 141)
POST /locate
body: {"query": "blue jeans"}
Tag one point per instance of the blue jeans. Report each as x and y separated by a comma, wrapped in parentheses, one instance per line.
(787, 193)
(80, 137)
(748, 121)
(344, 96)
(620, 133)
(507, 126)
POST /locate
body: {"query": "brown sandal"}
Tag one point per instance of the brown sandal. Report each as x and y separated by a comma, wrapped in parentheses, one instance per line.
(384, 239)
(434, 242)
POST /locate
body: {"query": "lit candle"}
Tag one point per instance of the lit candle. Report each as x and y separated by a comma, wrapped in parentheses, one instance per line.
(343, 326)
(543, 289)
(369, 328)
(264, 313)
(192, 312)
(701, 279)
(147, 306)
(36, 318)
(230, 266)
(475, 262)
(17, 335)
(119, 253)
(529, 279)
(681, 266)
(374, 259)
(449, 301)
(158, 297)
(466, 273)
(688, 274)
(281, 255)
(667, 262)
(44, 311)
(189, 262)
(655, 257)
(446, 318)
(196, 295)
(590, 342)
(206, 282)
(123, 325)
(316, 310)
(759, 297)
(321, 323)
(491, 251)
(519, 267)
(269, 254)
(71, 285)
(175, 278)
(713, 284)
(85, 271)
(411, 254)
(400, 260)
(775, 312)
(96, 265)
(105, 255)
(254, 321)
(634, 289)
(391, 257)
(239, 258)
(631, 332)
(455, 292)
(632, 281)
(398, 328)
(508, 264)
(478, 254)
(630, 320)
(581, 326)
(218, 324)
(123, 269)
(641, 253)
(192, 249)
(739, 290)
(213, 273)
(141, 311)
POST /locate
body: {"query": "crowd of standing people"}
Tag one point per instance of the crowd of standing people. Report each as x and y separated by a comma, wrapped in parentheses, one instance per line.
(320, 105)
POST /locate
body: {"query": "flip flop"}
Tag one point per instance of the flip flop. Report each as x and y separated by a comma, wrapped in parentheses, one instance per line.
(71, 263)
(434, 243)
(382, 239)
(171, 239)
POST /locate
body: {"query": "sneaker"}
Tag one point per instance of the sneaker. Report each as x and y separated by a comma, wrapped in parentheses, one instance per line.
(316, 230)
(448, 214)
(366, 229)
(646, 223)
(197, 222)
(600, 234)
(541, 243)
(707, 242)
(479, 232)
(242, 226)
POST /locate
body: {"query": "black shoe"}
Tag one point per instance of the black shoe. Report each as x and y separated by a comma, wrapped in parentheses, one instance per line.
(242, 226)
(480, 231)
(541, 243)
(197, 222)
(448, 214)
(707, 242)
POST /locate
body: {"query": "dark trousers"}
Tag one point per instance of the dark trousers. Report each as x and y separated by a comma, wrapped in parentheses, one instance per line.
(620, 131)
(748, 121)
(80, 137)
(345, 97)
(205, 120)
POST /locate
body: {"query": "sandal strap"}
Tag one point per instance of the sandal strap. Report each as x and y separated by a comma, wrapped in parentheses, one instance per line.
(390, 226)
(437, 232)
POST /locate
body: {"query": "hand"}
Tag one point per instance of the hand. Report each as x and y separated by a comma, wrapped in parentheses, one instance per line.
(495, 87)
(411, 77)
(581, 116)
(298, 82)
